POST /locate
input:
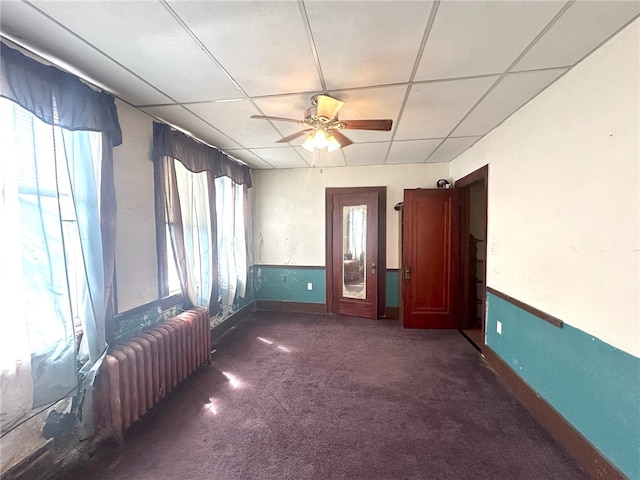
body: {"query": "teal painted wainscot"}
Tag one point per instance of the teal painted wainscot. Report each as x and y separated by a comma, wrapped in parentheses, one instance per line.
(289, 284)
(392, 288)
(142, 318)
(595, 386)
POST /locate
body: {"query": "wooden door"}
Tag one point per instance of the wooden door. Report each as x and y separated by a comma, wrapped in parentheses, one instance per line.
(354, 264)
(429, 253)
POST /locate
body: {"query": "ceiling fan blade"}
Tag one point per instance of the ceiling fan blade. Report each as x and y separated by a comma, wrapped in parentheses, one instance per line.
(384, 125)
(278, 119)
(293, 136)
(340, 138)
(328, 107)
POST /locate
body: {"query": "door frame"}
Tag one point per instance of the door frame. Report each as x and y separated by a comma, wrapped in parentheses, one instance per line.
(381, 193)
(464, 184)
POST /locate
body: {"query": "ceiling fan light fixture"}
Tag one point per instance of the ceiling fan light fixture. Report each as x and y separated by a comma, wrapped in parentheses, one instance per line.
(318, 140)
(322, 126)
(332, 144)
(308, 143)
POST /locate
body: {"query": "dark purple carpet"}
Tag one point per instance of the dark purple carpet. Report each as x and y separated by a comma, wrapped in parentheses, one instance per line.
(292, 396)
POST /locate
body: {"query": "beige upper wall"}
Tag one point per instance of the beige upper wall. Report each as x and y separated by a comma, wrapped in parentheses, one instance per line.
(564, 196)
(136, 264)
(289, 215)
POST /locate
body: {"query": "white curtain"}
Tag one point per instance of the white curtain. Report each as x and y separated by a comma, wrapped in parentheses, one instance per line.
(52, 269)
(196, 224)
(231, 241)
(16, 387)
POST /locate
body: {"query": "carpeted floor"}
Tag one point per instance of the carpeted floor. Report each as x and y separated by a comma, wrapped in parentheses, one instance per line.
(293, 396)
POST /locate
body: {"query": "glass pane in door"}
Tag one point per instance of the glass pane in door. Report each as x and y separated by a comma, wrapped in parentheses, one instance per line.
(354, 248)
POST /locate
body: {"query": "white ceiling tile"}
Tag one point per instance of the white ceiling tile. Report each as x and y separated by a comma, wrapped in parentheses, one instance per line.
(281, 157)
(412, 151)
(234, 119)
(433, 109)
(366, 153)
(155, 46)
(368, 104)
(367, 43)
(513, 91)
(263, 45)
(177, 116)
(451, 148)
(321, 158)
(582, 28)
(34, 31)
(468, 38)
(249, 158)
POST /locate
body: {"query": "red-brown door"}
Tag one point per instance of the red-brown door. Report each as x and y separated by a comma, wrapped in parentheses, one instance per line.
(355, 263)
(429, 252)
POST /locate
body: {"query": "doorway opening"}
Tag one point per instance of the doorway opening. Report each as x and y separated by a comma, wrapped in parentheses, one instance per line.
(473, 253)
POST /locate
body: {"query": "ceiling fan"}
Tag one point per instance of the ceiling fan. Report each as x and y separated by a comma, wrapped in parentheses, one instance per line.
(322, 125)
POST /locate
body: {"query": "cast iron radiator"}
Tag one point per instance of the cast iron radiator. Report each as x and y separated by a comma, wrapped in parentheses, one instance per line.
(140, 370)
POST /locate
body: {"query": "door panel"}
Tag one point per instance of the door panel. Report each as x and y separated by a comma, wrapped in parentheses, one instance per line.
(355, 248)
(429, 243)
(355, 227)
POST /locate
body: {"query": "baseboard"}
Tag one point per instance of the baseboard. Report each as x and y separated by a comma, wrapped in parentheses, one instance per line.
(232, 321)
(298, 307)
(598, 466)
(391, 313)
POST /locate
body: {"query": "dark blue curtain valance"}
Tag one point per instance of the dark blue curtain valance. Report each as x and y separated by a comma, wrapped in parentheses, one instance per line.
(196, 157)
(56, 97)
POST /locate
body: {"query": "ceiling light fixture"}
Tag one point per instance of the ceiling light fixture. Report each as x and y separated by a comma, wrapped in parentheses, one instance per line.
(320, 139)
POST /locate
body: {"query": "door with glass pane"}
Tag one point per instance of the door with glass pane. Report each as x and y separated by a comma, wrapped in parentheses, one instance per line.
(355, 255)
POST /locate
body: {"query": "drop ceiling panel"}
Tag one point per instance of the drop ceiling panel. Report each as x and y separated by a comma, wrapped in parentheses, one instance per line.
(582, 28)
(262, 45)
(32, 30)
(412, 151)
(250, 159)
(155, 46)
(513, 91)
(467, 38)
(178, 116)
(366, 153)
(234, 120)
(371, 103)
(367, 43)
(282, 157)
(451, 148)
(433, 109)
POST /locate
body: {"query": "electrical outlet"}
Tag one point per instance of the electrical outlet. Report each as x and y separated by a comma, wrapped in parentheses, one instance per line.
(309, 286)
(499, 328)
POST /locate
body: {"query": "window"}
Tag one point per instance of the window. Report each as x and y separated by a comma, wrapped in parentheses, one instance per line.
(200, 216)
(42, 179)
(49, 183)
(231, 242)
(230, 269)
(196, 226)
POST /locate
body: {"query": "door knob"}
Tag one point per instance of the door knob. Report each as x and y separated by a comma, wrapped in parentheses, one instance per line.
(373, 268)
(407, 273)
